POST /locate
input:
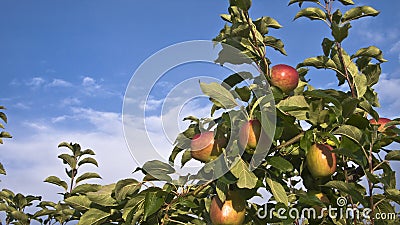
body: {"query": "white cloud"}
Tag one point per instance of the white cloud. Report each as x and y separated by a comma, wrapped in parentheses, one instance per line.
(387, 88)
(20, 105)
(59, 83)
(107, 122)
(35, 82)
(151, 104)
(70, 101)
(39, 126)
(59, 119)
(31, 157)
(88, 81)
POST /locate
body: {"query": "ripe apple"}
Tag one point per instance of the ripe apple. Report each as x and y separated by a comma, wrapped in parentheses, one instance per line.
(321, 161)
(230, 212)
(382, 122)
(205, 148)
(251, 134)
(284, 77)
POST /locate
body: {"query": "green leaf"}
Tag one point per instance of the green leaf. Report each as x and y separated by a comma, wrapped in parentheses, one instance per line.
(186, 156)
(156, 165)
(340, 32)
(244, 93)
(278, 191)
(85, 188)
(327, 46)
(226, 17)
(358, 12)
(157, 170)
(296, 106)
(65, 144)
(68, 159)
(126, 187)
(20, 216)
(349, 105)
(360, 82)
(86, 176)
(93, 216)
(348, 188)
(220, 94)
(88, 160)
(5, 134)
(347, 2)
(152, 203)
(2, 170)
(262, 24)
(237, 78)
(57, 181)
(393, 194)
(221, 189)
(3, 117)
(275, 43)
(301, 1)
(246, 178)
(393, 155)
(371, 51)
(351, 132)
(80, 202)
(312, 13)
(242, 4)
(103, 196)
(368, 108)
(319, 62)
(88, 152)
(280, 163)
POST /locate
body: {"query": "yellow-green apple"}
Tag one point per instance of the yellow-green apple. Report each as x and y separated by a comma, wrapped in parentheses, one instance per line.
(230, 212)
(321, 161)
(205, 148)
(284, 77)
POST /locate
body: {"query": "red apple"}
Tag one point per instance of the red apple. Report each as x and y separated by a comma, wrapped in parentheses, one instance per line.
(230, 212)
(205, 148)
(382, 122)
(321, 161)
(284, 77)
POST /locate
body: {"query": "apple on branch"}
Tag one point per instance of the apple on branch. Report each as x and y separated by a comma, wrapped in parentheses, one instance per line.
(284, 77)
(230, 212)
(321, 161)
(205, 148)
(382, 122)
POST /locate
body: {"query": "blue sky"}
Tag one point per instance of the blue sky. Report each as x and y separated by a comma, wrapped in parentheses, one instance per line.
(65, 66)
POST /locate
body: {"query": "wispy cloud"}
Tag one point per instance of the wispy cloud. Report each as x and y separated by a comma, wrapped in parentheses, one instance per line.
(21, 105)
(59, 83)
(35, 82)
(70, 101)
